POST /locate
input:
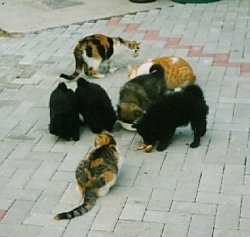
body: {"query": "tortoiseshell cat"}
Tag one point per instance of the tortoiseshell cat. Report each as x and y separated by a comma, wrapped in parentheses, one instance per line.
(96, 174)
(177, 71)
(93, 50)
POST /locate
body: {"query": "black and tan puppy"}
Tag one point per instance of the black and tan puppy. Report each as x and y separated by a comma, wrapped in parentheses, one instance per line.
(169, 111)
(64, 115)
(137, 94)
(95, 106)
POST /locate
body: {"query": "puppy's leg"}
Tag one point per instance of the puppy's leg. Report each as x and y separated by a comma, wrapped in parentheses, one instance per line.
(163, 143)
(75, 135)
(204, 127)
(199, 129)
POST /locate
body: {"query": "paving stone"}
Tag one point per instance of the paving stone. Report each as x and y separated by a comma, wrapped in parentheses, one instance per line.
(179, 192)
(244, 224)
(211, 178)
(103, 223)
(134, 210)
(219, 198)
(175, 229)
(18, 212)
(130, 228)
(201, 225)
(227, 217)
(230, 233)
(54, 228)
(19, 231)
(193, 208)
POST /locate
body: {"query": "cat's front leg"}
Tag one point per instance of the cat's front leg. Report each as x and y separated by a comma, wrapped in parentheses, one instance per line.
(94, 73)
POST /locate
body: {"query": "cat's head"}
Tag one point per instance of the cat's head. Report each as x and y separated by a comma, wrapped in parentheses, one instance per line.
(132, 71)
(135, 47)
(128, 112)
(105, 138)
(132, 45)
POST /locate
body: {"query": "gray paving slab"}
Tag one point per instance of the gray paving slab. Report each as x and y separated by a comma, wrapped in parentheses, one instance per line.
(180, 192)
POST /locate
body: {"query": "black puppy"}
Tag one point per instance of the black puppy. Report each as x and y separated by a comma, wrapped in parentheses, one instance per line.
(169, 111)
(95, 106)
(64, 115)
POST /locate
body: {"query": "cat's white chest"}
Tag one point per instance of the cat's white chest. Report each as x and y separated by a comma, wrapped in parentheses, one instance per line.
(105, 189)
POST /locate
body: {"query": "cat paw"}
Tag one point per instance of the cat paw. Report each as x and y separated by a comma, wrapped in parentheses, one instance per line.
(99, 75)
(194, 144)
(113, 69)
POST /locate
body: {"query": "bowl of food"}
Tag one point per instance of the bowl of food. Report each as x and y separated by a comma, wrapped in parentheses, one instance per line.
(127, 126)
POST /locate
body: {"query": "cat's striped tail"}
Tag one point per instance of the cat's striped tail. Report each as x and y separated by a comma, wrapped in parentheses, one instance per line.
(79, 64)
(70, 77)
(89, 202)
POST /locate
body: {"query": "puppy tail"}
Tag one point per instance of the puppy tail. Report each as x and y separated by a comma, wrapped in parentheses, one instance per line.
(81, 82)
(62, 86)
(157, 69)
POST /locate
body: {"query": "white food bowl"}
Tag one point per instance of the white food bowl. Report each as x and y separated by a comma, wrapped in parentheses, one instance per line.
(127, 126)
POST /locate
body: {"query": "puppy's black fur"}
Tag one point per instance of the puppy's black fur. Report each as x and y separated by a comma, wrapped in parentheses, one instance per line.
(95, 106)
(64, 115)
(169, 111)
(137, 94)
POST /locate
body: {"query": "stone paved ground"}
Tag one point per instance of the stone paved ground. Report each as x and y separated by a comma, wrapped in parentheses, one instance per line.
(180, 192)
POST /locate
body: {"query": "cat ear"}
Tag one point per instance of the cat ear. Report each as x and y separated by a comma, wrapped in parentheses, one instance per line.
(138, 112)
(118, 109)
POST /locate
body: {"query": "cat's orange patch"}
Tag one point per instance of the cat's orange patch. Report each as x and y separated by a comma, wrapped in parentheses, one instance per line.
(177, 71)
(108, 176)
(96, 162)
(102, 139)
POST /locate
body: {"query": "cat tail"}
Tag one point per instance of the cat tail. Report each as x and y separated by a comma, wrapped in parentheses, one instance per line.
(79, 64)
(157, 69)
(89, 202)
(81, 82)
(69, 77)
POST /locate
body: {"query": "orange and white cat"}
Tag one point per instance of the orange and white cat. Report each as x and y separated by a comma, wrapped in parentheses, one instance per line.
(177, 72)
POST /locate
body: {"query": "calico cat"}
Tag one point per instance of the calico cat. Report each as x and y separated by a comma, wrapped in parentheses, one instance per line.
(177, 71)
(96, 174)
(137, 94)
(93, 50)
(95, 106)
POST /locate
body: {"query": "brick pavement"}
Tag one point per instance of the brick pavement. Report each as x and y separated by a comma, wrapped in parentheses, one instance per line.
(180, 192)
